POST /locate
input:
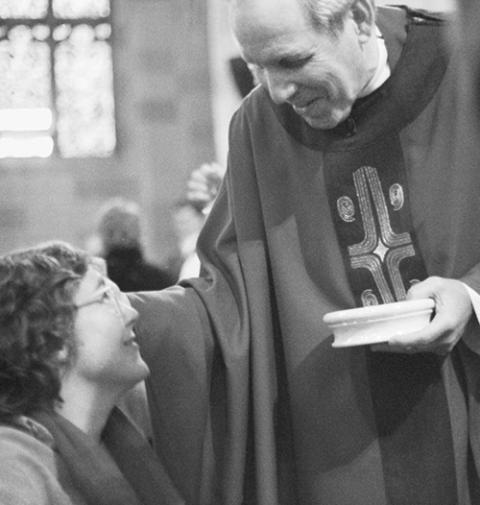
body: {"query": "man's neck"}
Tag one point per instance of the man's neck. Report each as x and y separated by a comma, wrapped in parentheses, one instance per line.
(381, 71)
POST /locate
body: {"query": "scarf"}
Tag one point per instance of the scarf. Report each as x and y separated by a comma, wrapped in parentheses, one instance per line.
(133, 475)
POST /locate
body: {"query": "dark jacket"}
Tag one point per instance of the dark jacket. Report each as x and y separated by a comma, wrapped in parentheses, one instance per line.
(131, 272)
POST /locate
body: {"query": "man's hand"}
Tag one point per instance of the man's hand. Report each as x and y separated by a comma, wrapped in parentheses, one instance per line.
(452, 312)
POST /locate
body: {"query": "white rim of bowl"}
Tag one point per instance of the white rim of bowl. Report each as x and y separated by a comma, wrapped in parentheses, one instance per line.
(378, 312)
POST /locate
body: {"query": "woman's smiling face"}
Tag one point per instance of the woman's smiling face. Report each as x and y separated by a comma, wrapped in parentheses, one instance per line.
(106, 351)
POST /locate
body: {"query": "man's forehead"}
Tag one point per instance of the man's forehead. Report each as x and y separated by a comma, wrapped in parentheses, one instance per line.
(248, 4)
(265, 19)
(252, 11)
(264, 37)
(275, 53)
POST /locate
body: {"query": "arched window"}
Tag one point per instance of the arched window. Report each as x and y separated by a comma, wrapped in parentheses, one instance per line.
(56, 85)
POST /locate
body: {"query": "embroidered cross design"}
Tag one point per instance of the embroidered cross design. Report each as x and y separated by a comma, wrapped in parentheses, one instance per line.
(381, 250)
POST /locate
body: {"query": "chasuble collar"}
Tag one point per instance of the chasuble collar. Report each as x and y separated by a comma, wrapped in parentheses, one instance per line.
(418, 57)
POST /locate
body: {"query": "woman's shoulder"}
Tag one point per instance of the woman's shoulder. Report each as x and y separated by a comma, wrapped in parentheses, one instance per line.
(26, 436)
(28, 473)
(24, 425)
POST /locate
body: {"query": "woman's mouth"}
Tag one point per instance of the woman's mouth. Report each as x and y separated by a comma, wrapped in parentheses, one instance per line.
(131, 340)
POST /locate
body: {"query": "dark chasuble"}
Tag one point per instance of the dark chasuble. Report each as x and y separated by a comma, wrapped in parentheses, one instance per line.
(365, 170)
(367, 187)
(253, 405)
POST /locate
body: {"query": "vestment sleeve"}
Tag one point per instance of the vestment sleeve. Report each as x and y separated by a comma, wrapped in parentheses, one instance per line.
(176, 344)
(195, 339)
(472, 283)
(200, 340)
(472, 278)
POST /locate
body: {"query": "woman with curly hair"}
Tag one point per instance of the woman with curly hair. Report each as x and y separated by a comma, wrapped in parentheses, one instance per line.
(67, 355)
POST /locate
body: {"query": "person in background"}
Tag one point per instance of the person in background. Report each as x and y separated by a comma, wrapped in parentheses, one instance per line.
(119, 229)
(68, 353)
(343, 188)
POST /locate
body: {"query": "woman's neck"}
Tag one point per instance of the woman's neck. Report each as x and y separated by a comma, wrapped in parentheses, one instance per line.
(86, 406)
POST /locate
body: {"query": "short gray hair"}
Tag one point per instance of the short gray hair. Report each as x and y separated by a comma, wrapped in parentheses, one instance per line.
(325, 15)
(328, 15)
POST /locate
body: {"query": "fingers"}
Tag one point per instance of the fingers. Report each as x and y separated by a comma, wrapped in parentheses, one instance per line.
(403, 349)
(438, 337)
(452, 312)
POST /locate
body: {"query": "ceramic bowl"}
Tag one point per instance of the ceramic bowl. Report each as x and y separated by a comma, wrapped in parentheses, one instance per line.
(378, 323)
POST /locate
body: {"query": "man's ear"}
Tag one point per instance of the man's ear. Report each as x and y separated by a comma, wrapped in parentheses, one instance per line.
(363, 13)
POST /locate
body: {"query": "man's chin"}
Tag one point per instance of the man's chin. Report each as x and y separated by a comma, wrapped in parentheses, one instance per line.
(321, 123)
(327, 121)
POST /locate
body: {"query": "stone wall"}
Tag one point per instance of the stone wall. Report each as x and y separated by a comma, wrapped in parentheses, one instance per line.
(164, 125)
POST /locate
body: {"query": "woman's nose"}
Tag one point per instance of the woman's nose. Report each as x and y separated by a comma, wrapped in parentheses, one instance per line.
(129, 314)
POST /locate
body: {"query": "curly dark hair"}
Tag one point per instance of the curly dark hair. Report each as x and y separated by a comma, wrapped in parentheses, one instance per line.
(68, 256)
(36, 322)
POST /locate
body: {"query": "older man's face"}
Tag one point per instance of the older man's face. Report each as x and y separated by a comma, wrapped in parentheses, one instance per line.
(319, 75)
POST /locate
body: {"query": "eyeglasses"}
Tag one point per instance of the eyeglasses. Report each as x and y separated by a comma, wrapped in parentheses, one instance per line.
(104, 295)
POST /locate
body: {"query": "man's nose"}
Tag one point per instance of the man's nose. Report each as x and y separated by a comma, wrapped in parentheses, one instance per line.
(279, 86)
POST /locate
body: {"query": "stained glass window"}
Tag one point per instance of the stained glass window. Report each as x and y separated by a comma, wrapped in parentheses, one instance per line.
(56, 90)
